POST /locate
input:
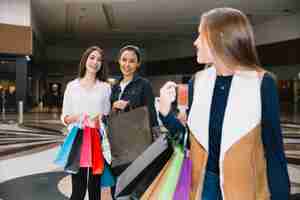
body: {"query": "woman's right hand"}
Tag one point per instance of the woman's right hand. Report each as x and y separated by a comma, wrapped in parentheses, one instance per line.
(69, 119)
(120, 105)
(167, 96)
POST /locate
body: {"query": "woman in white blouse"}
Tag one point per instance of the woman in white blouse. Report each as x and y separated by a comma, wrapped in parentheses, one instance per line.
(87, 95)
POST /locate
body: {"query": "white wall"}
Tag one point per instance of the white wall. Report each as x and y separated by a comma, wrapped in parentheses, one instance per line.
(279, 29)
(16, 12)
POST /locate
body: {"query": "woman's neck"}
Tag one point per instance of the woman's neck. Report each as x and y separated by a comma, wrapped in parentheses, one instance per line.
(222, 70)
(88, 80)
(127, 78)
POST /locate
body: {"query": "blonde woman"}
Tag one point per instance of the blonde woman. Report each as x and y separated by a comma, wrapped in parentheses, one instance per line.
(236, 140)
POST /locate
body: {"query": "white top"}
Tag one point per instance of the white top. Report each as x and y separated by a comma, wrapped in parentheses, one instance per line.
(123, 86)
(79, 100)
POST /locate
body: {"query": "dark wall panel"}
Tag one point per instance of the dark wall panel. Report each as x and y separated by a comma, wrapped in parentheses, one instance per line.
(281, 53)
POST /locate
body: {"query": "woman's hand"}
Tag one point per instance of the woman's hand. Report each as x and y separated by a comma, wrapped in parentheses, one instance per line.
(167, 96)
(94, 121)
(182, 117)
(69, 119)
(120, 104)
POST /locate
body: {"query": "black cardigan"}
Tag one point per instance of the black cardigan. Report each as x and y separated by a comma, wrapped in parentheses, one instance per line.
(139, 93)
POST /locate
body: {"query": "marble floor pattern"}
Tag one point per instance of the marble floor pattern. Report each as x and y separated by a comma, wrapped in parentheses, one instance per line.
(27, 152)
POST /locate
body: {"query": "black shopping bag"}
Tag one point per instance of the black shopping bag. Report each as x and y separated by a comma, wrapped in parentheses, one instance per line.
(129, 135)
(139, 175)
(73, 163)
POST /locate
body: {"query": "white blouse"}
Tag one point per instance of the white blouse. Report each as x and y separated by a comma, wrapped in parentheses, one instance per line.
(79, 100)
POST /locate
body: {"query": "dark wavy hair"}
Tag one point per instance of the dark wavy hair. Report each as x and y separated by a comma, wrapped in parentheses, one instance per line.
(132, 48)
(102, 74)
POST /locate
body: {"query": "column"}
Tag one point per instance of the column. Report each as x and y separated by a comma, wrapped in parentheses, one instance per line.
(21, 80)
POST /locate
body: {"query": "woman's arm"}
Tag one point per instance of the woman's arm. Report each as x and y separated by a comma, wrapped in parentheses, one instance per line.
(67, 116)
(107, 101)
(148, 98)
(278, 178)
(167, 96)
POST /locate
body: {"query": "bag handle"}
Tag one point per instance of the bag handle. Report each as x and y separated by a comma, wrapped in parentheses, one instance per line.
(185, 137)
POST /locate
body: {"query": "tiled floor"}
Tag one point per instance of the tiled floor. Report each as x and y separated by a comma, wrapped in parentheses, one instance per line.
(27, 152)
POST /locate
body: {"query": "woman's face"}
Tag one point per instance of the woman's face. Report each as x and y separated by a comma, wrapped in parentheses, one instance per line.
(93, 62)
(204, 55)
(128, 63)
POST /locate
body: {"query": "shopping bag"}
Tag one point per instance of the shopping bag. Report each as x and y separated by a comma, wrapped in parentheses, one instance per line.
(140, 174)
(65, 149)
(165, 184)
(86, 150)
(97, 156)
(152, 191)
(107, 179)
(106, 149)
(73, 163)
(184, 183)
(129, 135)
(172, 175)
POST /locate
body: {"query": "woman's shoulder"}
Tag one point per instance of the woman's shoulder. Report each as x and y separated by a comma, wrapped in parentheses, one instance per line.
(269, 85)
(268, 79)
(73, 83)
(143, 80)
(104, 85)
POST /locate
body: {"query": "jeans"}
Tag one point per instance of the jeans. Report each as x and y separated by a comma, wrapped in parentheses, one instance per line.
(211, 187)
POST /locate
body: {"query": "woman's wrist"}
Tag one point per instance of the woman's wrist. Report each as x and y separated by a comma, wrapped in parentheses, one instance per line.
(164, 110)
(68, 119)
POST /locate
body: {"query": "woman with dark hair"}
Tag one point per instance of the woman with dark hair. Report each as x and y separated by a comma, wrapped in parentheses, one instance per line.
(87, 95)
(132, 90)
(236, 140)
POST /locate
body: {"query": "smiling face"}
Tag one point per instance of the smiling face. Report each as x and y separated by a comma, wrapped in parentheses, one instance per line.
(93, 62)
(204, 55)
(129, 63)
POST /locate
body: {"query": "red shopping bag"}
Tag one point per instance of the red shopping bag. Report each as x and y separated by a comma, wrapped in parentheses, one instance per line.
(97, 156)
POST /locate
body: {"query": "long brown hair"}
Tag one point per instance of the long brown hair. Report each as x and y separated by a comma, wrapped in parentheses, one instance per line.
(230, 37)
(102, 73)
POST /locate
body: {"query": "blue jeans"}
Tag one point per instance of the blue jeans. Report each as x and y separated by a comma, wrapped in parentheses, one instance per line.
(211, 187)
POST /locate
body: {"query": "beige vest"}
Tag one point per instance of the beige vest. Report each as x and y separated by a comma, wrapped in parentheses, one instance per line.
(242, 163)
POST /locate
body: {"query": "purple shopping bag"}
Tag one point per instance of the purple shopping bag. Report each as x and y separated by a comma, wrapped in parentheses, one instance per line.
(183, 186)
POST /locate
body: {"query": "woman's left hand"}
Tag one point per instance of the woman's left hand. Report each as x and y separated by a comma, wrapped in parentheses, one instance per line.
(95, 121)
(182, 117)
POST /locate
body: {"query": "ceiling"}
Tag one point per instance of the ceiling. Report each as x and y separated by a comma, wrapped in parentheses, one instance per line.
(81, 21)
